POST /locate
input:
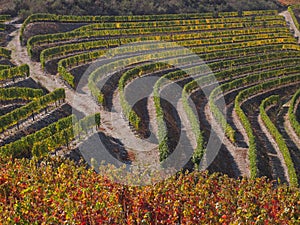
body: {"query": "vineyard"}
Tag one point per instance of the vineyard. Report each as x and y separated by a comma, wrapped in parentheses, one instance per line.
(294, 11)
(227, 79)
(34, 121)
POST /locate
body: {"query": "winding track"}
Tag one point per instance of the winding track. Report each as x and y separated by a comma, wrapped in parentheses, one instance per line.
(290, 131)
(113, 123)
(282, 173)
(289, 19)
(287, 124)
(242, 162)
(119, 128)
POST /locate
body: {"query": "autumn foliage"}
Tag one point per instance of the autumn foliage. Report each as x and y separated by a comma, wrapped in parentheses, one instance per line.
(289, 2)
(57, 191)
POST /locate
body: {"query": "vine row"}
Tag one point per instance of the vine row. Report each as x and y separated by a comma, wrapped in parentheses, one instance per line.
(15, 93)
(252, 78)
(35, 106)
(68, 36)
(15, 72)
(291, 112)
(245, 121)
(270, 101)
(63, 50)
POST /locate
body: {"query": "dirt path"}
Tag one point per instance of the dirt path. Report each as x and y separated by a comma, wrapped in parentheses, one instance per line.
(239, 126)
(287, 126)
(290, 131)
(267, 147)
(119, 123)
(186, 126)
(239, 154)
(28, 122)
(152, 118)
(278, 154)
(84, 103)
(289, 19)
(14, 20)
(113, 124)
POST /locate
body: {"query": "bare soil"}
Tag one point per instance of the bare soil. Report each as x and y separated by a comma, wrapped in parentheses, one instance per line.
(61, 112)
(270, 162)
(4, 61)
(279, 118)
(140, 107)
(7, 109)
(5, 38)
(297, 14)
(40, 28)
(122, 142)
(237, 164)
(28, 82)
(293, 27)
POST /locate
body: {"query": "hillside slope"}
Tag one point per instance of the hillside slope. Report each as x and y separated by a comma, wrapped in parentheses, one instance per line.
(123, 7)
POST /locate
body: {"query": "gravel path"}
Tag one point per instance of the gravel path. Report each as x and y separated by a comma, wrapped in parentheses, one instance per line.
(239, 154)
(290, 131)
(113, 123)
(84, 103)
(278, 154)
(289, 19)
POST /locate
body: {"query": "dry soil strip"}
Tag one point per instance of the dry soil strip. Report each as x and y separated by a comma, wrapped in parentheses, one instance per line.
(289, 19)
(275, 146)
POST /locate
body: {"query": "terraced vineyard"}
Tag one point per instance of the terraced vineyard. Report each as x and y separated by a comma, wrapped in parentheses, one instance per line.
(34, 121)
(249, 61)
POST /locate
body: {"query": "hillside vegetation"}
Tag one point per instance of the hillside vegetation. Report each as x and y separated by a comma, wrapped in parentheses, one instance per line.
(58, 192)
(126, 7)
(60, 91)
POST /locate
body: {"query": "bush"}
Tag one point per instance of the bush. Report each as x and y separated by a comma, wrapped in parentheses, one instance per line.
(57, 191)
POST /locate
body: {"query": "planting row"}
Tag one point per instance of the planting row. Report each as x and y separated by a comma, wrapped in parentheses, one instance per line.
(63, 50)
(50, 138)
(69, 36)
(4, 18)
(35, 106)
(65, 65)
(135, 120)
(292, 112)
(271, 101)
(92, 19)
(252, 78)
(14, 72)
(212, 53)
(245, 94)
(5, 53)
(16, 93)
(117, 26)
(291, 11)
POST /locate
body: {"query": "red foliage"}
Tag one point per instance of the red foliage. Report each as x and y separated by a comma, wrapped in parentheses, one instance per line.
(58, 192)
